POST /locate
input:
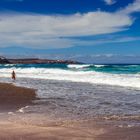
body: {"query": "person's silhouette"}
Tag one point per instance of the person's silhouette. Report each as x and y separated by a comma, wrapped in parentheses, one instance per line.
(13, 75)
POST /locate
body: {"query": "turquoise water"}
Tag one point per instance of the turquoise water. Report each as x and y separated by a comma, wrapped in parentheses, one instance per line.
(119, 69)
(116, 75)
(116, 69)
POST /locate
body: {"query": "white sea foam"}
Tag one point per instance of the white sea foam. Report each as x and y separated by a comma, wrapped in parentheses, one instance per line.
(76, 66)
(98, 66)
(21, 110)
(11, 113)
(126, 80)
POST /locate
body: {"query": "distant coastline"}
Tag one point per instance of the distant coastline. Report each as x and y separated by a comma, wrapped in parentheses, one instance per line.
(4, 60)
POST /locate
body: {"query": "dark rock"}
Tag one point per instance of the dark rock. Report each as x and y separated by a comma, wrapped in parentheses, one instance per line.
(3, 60)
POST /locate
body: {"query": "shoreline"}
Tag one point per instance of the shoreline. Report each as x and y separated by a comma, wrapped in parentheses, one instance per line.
(18, 125)
(13, 97)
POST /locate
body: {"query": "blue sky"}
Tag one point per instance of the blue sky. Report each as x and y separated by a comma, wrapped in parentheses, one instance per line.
(71, 29)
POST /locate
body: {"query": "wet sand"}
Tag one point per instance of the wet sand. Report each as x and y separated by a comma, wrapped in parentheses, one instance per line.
(71, 131)
(29, 132)
(13, 98)
(121, 134)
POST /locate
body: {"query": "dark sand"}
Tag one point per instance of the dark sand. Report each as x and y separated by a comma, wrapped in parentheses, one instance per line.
(13, 98)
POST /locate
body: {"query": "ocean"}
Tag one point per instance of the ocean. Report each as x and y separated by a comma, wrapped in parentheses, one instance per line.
(117, 75)
(79, 90)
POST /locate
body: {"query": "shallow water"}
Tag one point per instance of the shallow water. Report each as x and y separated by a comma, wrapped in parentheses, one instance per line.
(75, 100)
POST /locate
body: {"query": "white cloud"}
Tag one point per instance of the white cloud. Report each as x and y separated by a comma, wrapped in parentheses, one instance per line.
(34, 30)
(110, 2)
(42, 30)
(132, 7)
(104, 41)
(91, 23)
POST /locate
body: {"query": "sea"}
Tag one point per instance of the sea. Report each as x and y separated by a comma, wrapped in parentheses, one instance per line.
(73, 91)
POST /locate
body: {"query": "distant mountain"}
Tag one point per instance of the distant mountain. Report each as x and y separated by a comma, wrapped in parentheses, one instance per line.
(3, 60)
(40, 61)
(69, 54)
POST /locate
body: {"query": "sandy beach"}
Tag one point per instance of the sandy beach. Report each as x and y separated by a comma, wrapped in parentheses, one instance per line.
(69, 69)
(13, 98)
(68, 131)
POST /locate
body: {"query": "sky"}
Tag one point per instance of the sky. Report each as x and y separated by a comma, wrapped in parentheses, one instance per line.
(92, 31)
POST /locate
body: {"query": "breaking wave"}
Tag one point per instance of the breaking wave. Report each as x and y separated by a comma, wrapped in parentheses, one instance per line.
(93, 77)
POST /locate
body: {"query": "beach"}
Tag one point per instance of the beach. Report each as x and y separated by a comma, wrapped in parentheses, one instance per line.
(70, 70)
(12, 131)
(70, 102)
(12, 99)
(21, 118)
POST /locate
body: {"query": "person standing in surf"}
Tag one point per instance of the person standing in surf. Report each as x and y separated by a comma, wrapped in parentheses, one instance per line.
(13, 75)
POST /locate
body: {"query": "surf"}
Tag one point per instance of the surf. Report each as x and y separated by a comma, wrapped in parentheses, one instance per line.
(92, 77)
